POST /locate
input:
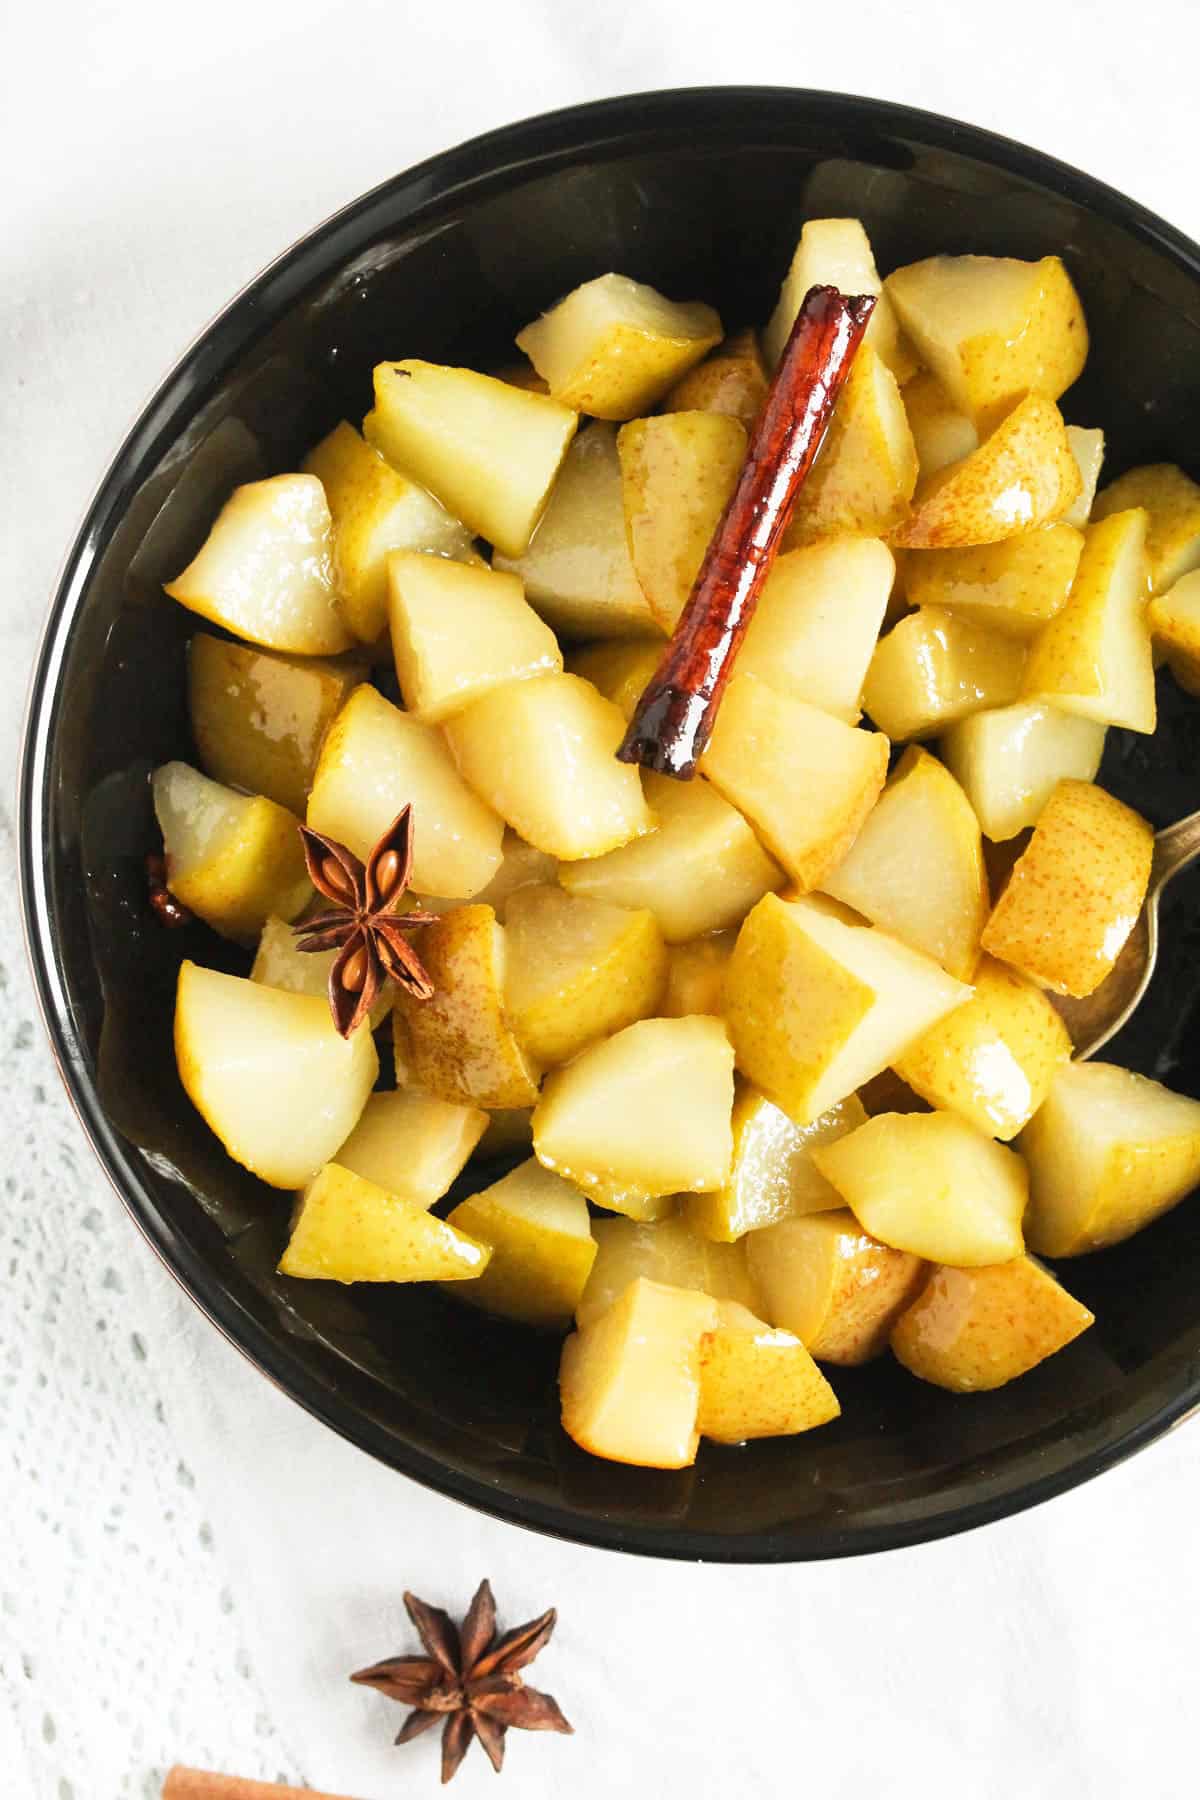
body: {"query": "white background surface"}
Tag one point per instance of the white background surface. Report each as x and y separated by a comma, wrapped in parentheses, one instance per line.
(190, 1567)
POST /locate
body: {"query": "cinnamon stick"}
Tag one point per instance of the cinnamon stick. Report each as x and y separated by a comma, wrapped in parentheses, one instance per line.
(675, 714)
(200, 1784)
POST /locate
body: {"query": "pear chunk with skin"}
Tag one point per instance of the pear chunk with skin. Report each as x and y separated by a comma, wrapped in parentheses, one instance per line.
(630, 1381)
(933, 669)
(837, 253)
(459, 632)
(696, 975)
(930, 1184)
(521, 866)
(730, 380)
(265, 570)
(234, 859)
(1021, 476)
(627, 1251)
(1015, 587)
(1087, 447)
(757, 1381)
(1010, 759)
(459, 1044)
(542, 753)
(677, 472)
(279, 962)
(816, 1002)
(578, 970)
(347, 1229)
(916, 867)
(813, 632)
(773, 1175)
(645, 1113)
(970, 1330)
(268, 1072)
(488, 451)
(701, 870)
(1095, 657)
(1108, 1152)
(375, 510)
(376, 760)
(991, 1061)
(614, 346)
(1174, 620)
(412, 1143)
(804, 780)
(619, 669)
(1076, 891)
(538, 1230)
(838, 1289)
(941, 433)
(577, 571)
(866, 470)
(1171, 500)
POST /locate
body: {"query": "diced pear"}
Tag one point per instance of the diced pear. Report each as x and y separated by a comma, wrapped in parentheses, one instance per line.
(993, 329)
(1172, 501)
(542, 753)
(619, 669)
(830, 1283)
(279, 962)
(459, 1044)
(1174, 620)
(412, 1143)
(488, 451)
(942, 434)
(702, 869)
(1010, 759)
(817, 1003)
(459, 632)
(614, 346)
(730, 380)
(813, 632)
(773, 1175)
(1076, 891)
(1087, 447)
(509, 1129)
(866, 469)
(521, 374)
(1015, 587)
(626, 1250)
(757, 1381)
(538, 1230)
(727, 1273)
(234, 859)
(696, 975)
(1021, 476)
(930, 1184)
(630, 1381)
(377, 760)
(578, 572)
(1108, 1152)
(933, 669)
(837, 253)
(804, 780)
(348, 1229)
(268, 1072)
(521, 866)
(375, 510)
(916, 867)
(970, 1330)
(1095, 657)
(677, 472)
(578, 969)
(991, 1061)
(644, 1113)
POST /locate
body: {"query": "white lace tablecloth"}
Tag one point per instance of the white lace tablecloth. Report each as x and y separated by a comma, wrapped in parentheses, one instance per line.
(190, 1566)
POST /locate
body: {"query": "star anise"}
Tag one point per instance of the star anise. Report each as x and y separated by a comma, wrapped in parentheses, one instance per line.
(364, 927)
(470, 1678)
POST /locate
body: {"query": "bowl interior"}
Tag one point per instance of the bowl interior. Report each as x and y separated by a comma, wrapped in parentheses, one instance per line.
(703, 195)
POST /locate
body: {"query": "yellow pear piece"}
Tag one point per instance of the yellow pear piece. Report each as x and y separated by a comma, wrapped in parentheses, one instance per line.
(1010, 759)
(866, 469)
(234, 859)
(1015, 587)
(804, 780)
(941, 432)
(931, 1184)
(619, 669)
(916, 867)
(538, 1230)
(1174, 620)
(459, 632)
(677, 472)
(628, 1250)
(816, 1002)
(991, 1061)
(630, 1381)
(1095, 657)
(757, 1381)
(730, 380)
(696, 975)
(970, 1330)
(488, 451)
(265, 570)
(1021, 476)
(1108, 1152)
(578, 969)
(1171, 500)
(837, 253)
(1087, 447)
(832, 1284)
(1075, 892)
(813, 632)
(412, 1143)
(279, 962)
(934, 668)
(773, 1175)
(521, 866)
(348, 1229)
(268, 1072)
(377, 760)
(375, 510)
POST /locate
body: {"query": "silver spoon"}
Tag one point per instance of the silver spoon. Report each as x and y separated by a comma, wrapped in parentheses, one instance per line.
(1092, 1021)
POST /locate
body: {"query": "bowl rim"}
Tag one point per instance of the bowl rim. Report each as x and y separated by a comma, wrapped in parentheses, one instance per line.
(579, 129)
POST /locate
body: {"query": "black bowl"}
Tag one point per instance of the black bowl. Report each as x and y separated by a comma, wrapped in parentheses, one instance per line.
(702, 193)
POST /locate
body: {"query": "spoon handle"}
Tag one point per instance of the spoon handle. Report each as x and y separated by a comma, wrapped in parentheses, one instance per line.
(1174, 848)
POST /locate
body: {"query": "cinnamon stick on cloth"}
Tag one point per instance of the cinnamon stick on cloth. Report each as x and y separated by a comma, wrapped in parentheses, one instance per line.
(200, 1784)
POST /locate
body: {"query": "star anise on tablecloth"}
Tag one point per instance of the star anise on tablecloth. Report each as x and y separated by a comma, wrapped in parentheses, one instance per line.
(470, 1679)
(364, 927)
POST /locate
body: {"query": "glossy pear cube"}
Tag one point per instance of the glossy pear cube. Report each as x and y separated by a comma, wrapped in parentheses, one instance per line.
(934, 668)
(540, 1236)
(459, 632)
(1022, 476)
(1094, 658)
(757, 1381)
(1010, 759)
(971, 1330)
(813, 632)
(773, 1175)
(347, 1229)
(831, 1284)
(234, 859)
(412, 1143)
(677, 472)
